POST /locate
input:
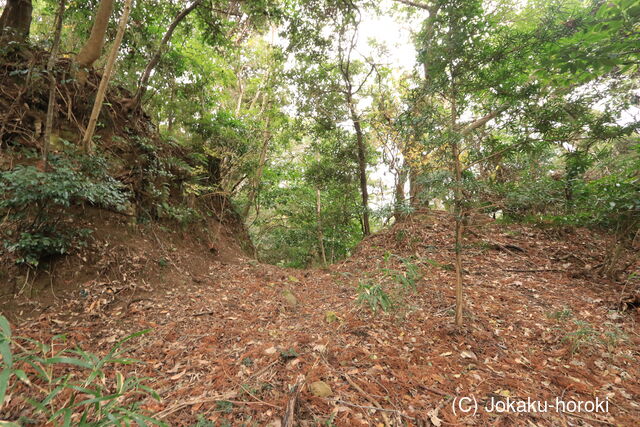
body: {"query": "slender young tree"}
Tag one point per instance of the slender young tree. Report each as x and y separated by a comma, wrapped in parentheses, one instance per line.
(53, 57)
(255, 184)
(457, 206)
(319, 232)
(450, 38)
(155, 59)
(351, 89)
(104, 82)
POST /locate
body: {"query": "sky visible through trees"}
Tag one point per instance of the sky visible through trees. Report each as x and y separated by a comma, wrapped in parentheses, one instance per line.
(430, 161)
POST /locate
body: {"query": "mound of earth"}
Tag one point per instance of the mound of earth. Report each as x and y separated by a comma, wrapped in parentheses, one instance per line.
(127, 248)
(228, 340)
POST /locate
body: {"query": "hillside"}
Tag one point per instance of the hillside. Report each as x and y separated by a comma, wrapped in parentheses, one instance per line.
(319, 213)
(226, 342)
(80, 235)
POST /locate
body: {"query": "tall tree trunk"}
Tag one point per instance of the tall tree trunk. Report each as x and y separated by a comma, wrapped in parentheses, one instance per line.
(362, 167)
(399, 206)
(53, 57)
(457, 211)
(253, 191)
(15, 22)
(144, 78)
(92, 49)
(106, 76)
(413, 187)
(319, 225)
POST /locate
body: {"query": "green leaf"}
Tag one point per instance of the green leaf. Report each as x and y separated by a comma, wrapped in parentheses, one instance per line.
(52, 394)
(36, 366)
(151, 391)
(22, 376)
(99, 399)
(68, 360)
(39, 406)
(4, 383)
(5, 351)
(139, 417)
(66, 412)
(5, 327)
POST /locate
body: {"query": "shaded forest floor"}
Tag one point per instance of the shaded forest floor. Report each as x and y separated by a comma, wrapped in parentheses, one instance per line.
(228, 341)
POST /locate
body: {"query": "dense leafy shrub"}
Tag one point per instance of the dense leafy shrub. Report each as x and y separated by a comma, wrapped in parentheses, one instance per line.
(606, 196)
(612, 201)
(532, 196)
(36, 203)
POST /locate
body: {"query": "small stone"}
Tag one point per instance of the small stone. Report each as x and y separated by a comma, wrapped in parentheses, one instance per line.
(320, 389)
(290, 298)
(330, 316)
(468, 355)
(320, 348)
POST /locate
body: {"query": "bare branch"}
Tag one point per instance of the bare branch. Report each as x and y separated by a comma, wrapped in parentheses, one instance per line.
(415, 4)
(482, 121)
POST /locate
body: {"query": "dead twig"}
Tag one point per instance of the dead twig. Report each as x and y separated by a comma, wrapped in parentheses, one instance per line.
(289, 417)
(170, 410)
(592, 420)
(367, 396)
(372, 408)
(204, 313)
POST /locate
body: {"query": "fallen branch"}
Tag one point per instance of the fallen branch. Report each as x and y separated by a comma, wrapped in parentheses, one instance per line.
(372, 408)
(435, 390)
(289, 418)
(170, 410)
(593, 420)
(204, 313)
(509, 247)
(367, 396)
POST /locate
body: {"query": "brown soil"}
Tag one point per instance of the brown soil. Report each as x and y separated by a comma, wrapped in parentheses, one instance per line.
(122, 256)
(540, 323)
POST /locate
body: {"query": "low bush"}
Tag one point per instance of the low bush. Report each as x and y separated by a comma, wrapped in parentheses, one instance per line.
(36, 204)
(64, 387)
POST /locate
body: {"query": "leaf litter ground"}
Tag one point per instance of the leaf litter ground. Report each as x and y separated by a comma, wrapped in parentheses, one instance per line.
(227, 343)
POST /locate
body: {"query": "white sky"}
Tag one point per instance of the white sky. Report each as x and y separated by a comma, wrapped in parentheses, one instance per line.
(394, 30)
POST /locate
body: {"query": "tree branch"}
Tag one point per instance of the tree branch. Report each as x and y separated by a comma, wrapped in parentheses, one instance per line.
(415, 4)
(482, 121)
(144, 78)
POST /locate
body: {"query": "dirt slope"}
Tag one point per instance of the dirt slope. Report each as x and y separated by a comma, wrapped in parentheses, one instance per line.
(540, 323)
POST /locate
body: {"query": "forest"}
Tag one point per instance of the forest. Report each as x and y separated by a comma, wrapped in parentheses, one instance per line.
(319, 212)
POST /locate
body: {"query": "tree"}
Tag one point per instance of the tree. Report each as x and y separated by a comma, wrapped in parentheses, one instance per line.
(92, 49)
(333, 80)
(15, 21)
(146, 74)
(350, 90)
(104, 81)
(53, 56)
(466, 73)
(390, 135)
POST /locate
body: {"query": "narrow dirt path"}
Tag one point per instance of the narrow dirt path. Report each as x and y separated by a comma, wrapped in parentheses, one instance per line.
(228, 344)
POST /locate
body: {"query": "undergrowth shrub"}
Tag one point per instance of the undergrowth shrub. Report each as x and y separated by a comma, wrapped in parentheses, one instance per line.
(374, 296)
(390, 289)
(65, 387)
(35, 204)
(580, 335)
